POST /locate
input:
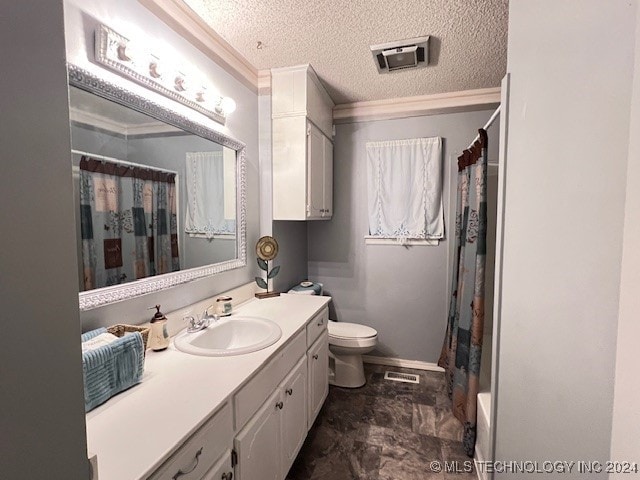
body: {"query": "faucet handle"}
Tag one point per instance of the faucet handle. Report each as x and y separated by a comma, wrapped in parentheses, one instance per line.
(193, 322)
(206, 315)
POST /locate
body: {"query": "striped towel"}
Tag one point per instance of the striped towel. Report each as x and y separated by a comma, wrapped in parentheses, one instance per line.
(111, 368)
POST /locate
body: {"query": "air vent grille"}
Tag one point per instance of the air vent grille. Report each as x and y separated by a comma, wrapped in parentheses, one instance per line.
(401, 55)
(402, 377)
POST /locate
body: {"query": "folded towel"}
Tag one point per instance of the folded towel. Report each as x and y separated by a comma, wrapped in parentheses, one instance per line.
(99, 341)
(111, 368)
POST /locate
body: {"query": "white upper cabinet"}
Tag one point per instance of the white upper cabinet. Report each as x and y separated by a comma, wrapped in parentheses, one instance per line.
(302, 145)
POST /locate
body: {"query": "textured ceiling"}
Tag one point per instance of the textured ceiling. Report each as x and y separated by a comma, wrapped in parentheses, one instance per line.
(468, 41)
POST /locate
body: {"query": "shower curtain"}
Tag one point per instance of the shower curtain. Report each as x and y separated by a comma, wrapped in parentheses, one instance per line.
(128, 222)
(462, 346)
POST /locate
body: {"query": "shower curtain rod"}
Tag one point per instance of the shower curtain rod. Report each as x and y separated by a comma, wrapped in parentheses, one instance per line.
(492, 119)
(123, 162)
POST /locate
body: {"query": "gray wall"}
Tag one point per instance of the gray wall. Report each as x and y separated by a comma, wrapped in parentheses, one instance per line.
(133, 20)
(567, 147)
(293, 256)
(42, 421)
(400, 291)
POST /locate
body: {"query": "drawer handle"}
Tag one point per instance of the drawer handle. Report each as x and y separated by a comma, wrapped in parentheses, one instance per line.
(321, 322)
(279, 405)
(227, 476)
(197, 459)
(289, 391)
(315, 357)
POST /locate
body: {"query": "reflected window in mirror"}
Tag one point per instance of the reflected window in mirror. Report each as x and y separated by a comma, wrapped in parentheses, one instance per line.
(155, 195)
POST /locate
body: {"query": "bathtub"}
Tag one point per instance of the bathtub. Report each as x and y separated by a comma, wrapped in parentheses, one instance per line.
(483, 438)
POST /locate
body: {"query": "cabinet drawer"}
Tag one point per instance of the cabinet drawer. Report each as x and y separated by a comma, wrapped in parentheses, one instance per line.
(316, 326)
(254, 393)
(221, 470)
(198, 454)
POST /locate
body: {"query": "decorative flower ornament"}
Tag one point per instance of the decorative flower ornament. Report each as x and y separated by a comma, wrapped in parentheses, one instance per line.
(266, 249)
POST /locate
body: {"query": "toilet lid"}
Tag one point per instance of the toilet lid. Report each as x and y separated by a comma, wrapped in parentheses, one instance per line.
(350, 330)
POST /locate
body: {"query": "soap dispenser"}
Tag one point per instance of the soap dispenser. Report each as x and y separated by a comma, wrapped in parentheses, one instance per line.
(159, 335)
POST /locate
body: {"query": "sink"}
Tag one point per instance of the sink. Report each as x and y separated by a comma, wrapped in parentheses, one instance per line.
(235, 335)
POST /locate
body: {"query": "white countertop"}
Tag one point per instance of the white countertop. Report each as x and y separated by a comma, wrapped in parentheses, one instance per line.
(134, 432)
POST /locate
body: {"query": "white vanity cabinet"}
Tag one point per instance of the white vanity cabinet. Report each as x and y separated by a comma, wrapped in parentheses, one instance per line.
(302, 127)
(269, 441)
(210, 444)
(242, 417)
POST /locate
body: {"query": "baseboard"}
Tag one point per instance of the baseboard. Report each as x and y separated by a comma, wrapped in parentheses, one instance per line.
(399, 362)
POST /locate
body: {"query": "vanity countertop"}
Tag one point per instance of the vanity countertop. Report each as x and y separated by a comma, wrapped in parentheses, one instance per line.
(136, 431)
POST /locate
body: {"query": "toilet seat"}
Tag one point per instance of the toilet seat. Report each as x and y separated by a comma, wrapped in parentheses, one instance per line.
(344, 334)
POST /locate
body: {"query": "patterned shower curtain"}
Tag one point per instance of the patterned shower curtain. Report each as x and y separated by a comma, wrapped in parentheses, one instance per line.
(462, 347)
(128, 222)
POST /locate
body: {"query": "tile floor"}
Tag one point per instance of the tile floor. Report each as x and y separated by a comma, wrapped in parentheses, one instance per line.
(385, 430)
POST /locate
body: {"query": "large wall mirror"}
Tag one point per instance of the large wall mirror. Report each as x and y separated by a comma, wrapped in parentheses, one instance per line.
(160, 199)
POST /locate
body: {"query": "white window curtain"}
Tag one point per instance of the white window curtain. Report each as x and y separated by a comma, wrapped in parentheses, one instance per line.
(205, 179)
(405, 189)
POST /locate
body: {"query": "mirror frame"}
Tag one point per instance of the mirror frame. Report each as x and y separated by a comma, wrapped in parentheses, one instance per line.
(99, 297)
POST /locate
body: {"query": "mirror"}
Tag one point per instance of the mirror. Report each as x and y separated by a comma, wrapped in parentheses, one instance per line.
(159, 198)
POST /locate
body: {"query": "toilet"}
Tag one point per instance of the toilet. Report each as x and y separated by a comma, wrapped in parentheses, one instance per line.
(347, 343)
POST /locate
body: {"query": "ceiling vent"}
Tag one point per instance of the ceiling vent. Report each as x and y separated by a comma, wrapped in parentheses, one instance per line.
(409, 53)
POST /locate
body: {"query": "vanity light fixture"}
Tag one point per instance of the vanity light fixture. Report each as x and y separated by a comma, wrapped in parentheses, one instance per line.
(127, 58)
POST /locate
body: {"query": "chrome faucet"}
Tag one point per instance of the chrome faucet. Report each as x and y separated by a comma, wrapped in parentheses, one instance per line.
(196, 325)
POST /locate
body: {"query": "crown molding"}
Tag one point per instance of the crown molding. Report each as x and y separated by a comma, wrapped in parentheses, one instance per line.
(453, 102)
(96, 120)
(264, 82)
(120, 128)
(177, 15)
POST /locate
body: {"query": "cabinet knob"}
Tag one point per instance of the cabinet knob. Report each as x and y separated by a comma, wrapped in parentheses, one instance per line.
(279, 405)
(227, 476)
(182, 473)
(289, 391)
(321, 322)
(315, 357)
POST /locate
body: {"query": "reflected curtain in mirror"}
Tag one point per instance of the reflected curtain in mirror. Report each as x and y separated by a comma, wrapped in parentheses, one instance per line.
(128, 222)
(210, 183)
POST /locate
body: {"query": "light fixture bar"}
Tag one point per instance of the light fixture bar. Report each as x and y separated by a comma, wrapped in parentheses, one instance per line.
(119, 53)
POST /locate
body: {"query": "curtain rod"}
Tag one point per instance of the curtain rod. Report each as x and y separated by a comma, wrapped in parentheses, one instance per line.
(123, 162)
(492, 119)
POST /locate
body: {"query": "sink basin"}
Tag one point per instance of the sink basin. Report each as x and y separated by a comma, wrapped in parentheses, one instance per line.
(235, 335)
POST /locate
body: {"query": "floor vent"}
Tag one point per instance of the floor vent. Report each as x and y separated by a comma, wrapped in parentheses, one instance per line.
(402, 377)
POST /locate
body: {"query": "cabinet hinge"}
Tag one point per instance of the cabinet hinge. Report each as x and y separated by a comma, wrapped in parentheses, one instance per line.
(308, 209)
(308, 130)
(234, 458)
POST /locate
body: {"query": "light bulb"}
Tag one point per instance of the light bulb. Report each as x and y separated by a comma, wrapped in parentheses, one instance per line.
(228, 105)
(180, 83)
(155, 69)
(127, 52)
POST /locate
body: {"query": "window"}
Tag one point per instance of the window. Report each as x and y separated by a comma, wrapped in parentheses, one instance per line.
(405, 191)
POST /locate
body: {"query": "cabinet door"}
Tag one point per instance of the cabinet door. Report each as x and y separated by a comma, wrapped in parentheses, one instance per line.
(294, 414)
(258, 445)
(315, 171)
(318, 363)
(221, 470)
(327, 184)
